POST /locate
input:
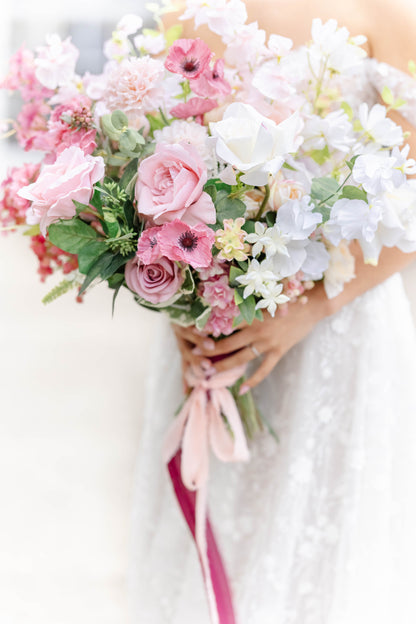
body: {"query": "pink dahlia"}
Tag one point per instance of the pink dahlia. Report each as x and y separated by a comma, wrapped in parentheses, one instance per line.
(179, 241)
(188, 57)
(134, 86)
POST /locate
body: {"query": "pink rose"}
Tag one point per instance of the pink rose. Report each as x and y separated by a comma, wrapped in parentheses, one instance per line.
(71, 177)
(170, 186)
(156, 282)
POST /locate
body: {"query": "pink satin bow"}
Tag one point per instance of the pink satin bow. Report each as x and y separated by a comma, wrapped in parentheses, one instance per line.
(199, 426)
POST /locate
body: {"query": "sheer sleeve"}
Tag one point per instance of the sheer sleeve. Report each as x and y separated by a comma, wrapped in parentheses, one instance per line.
(402, 85)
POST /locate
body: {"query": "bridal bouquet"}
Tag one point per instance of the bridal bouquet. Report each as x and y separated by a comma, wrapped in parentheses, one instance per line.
(215, 189)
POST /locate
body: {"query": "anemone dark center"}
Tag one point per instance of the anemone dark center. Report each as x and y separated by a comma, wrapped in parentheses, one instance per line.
(153, 242)
(190, 65)
(188, 241)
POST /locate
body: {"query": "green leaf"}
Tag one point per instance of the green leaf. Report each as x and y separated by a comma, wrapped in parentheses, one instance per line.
(248, 309)
(219, 185)
(115, 280)
(324, 190)
(89, 253)
(188, 285)
(34, 230)
(96, 200)
(114, 264)
(270, 218)
(97, 268)
(287, 166)
(129, 173)
(173, 33)
(200, 312)
(320, 156)
(119, 120)
(116, 291)
(387, 96)
(238, 296)
(352, 192)
(347, 110)
(129, 213)
(156, 122)
(80, 207)
(350, 163)
(234, 273)
(108, 128)
(228, 208)
(71, 235)
(249, 227)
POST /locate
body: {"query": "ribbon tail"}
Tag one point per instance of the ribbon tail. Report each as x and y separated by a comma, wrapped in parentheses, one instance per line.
(194, 508)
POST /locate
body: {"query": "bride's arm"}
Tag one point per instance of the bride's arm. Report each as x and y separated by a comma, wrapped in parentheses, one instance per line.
(275, 336)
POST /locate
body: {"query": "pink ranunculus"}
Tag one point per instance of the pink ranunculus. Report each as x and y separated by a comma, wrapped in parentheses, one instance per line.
(148, 249)
(212, 82)
(195, 107)
(157, 282)
(217, 292)
(179, 241)
(71, 177)
(170, 186)
(188, 57)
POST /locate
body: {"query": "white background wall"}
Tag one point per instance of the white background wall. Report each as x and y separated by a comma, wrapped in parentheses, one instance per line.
(70, 402)
(71, 392)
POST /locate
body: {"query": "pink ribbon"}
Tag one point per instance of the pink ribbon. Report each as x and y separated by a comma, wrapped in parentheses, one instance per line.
(199, 426)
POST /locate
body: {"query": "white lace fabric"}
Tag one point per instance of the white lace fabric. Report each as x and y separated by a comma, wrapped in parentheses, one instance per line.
(319, 528)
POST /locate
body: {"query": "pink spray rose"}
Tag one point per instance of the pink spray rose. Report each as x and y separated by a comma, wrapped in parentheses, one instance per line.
(170, 186)
(217, 292)
(179, 241)
(71, 177)
(188, 57)
(156, 282)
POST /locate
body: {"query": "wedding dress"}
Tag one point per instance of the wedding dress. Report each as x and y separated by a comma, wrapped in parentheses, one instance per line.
(318, 528)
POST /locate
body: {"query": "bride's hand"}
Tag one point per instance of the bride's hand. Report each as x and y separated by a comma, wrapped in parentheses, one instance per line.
(270, 338)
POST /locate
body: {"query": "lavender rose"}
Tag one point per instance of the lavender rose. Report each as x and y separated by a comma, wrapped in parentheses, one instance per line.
(156, 282)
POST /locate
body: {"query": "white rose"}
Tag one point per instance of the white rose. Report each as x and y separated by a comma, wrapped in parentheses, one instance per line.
(253, 144)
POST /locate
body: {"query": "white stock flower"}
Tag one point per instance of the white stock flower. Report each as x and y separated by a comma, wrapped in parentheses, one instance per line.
(55, 62)
(258, 273)
(340, 269)
(352, 218)
(253, 144)
(272, 297)
(380, 128)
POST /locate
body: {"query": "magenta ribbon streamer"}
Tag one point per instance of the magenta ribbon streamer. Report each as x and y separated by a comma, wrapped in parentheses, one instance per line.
(193, 505)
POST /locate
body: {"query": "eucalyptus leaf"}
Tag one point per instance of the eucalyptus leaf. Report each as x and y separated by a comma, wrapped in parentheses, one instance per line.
(324, 190)
(119, 120)
(109, 129)
(228, 208)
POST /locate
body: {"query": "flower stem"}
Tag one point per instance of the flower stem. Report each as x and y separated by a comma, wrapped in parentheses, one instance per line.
(263, 203)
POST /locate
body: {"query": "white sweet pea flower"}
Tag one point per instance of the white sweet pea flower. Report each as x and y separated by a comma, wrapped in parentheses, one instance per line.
(151, 44)
(397, 227)
(377, 173)
(352, 218)
(245, 46)
(272, 297)
(297, 219)
(224, 17)
(335, 131)
(257, 275)
(55, 62)
(334, 46)
(316, 261)
(130, 24)
(279, 46)
(341, 269)
(253, 144)
(378, 127)
(272, 82)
